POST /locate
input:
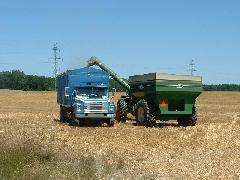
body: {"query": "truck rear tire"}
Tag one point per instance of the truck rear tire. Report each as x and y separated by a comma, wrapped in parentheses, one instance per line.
(144, 114)
(121, 114)
(188, 120)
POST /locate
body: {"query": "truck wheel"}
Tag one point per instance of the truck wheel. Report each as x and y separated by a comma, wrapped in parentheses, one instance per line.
(121, 115)
(71, 118)
(69, 114)
(63, 117)
(65, 114)
(110, 122)
(188, 120)
(144, 115)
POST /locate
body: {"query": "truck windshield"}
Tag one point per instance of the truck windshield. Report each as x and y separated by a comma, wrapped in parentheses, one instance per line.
(92, 92)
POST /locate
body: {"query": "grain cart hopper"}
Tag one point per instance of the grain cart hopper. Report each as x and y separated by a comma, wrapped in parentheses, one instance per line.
(157, 96)
(83, 96)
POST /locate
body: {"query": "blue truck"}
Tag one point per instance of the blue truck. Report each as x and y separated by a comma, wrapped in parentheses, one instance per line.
(83, 96)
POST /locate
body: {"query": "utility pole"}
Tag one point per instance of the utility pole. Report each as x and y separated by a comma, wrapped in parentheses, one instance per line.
(56, 57)
(192, 68)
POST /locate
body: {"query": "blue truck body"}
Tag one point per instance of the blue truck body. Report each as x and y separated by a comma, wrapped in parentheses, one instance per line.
(83, 94)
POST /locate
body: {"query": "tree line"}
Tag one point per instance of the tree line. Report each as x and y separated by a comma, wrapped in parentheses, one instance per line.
(18, 80)
(222, 87)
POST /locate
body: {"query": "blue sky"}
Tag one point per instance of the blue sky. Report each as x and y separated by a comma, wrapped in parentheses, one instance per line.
(131, 36)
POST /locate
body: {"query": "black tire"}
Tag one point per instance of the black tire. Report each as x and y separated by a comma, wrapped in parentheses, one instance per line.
(121, 114)
(71, 118)
(110, 122)
(73, 122)
(66, 114)
(63, 114)
(144, 114)
(188, 120)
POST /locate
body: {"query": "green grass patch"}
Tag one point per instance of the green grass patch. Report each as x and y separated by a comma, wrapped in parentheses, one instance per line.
(28, 161)
(18, 162)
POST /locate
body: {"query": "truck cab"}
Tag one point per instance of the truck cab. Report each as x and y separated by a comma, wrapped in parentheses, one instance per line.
(83, 95)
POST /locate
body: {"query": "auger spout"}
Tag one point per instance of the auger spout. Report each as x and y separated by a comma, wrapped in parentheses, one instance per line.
(95, 61)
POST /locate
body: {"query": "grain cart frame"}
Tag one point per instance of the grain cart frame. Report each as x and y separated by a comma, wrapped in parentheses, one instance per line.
(157, 96)
(83, 96)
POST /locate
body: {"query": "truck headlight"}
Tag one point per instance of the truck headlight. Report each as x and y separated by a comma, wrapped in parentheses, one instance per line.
(79, 107)
(111, 109)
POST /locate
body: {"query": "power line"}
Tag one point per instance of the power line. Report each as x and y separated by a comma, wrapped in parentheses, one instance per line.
(9, 53)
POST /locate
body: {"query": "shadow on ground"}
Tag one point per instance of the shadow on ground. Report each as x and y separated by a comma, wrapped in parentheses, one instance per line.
(99, 124)
(161, 124)
(77, 123)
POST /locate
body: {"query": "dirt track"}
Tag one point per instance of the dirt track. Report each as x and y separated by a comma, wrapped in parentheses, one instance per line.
(209, 150)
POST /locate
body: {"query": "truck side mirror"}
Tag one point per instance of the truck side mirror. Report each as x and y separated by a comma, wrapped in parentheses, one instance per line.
(74, 94)
(67, 89)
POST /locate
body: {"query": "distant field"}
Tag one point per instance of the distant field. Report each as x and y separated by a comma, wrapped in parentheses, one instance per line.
(35, 145)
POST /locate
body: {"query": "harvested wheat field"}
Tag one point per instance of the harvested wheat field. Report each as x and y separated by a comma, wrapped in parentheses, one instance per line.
(35, 145)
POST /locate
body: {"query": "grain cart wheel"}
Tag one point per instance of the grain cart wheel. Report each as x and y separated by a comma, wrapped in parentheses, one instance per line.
(188, 120)
(144, 115)
(121, 115)
(110, 122)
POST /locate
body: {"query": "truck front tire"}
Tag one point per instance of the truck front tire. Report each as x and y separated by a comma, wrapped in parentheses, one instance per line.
(66, 114)
(110, 122)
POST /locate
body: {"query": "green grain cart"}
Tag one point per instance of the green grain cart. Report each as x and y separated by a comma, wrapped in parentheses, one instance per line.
(157, 96)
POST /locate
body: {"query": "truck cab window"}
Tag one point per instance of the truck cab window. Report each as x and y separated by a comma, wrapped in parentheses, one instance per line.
(92, 92)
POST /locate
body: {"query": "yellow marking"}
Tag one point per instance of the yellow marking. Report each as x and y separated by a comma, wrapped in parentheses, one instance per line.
(138, 94)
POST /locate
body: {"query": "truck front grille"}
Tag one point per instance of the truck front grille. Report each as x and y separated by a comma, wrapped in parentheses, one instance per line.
(95, 106)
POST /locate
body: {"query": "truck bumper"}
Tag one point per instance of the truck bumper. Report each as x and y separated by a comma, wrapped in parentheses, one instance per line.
(95, 115)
